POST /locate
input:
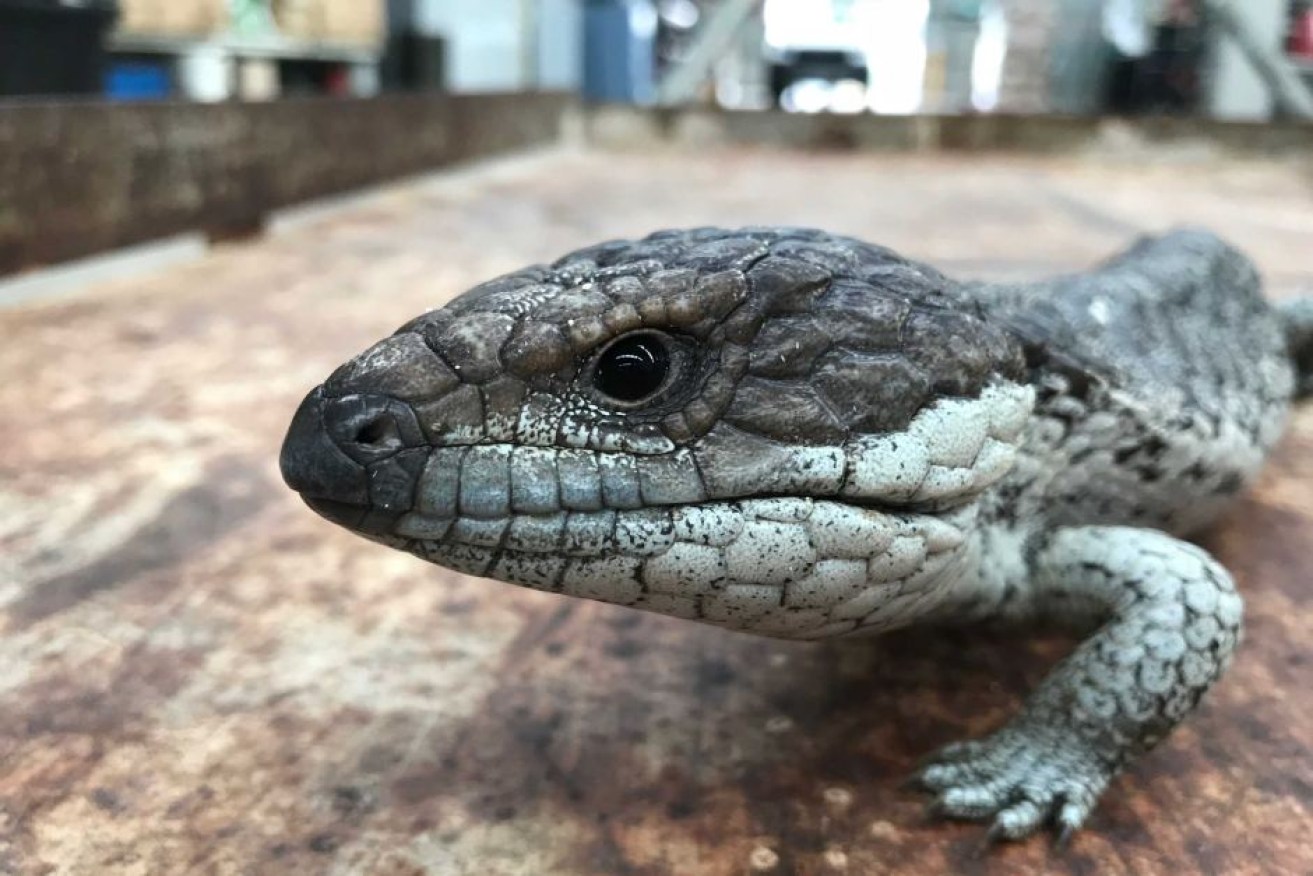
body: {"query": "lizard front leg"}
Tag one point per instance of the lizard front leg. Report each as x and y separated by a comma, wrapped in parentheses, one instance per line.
(1172, 619)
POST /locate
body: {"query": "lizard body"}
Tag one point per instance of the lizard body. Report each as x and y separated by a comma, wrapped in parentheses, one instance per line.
(802, 435)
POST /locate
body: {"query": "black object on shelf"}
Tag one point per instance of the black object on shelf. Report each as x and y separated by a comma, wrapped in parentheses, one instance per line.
(54, 47)
(1167, 81)
(414, 62)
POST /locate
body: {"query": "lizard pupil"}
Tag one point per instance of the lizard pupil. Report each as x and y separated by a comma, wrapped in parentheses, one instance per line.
(632, 368)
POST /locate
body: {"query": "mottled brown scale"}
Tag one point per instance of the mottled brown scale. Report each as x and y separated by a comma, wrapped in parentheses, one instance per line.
(403, 367)
(788, 347)
(473, 344)
(664, 284)
(742, 325)
(699, 417)
(874, 322)
(622, 318)
(788, 285)
(459, 411)
(585, 334)
(576, 303)
(537, 348)
(502, 399)
(792, 412)
(676, 426)
(625, 290)
(871, 392)
(653, 311)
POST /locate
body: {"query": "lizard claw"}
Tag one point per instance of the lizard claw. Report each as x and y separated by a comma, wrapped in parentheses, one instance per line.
(1019, 779)
(987, 842)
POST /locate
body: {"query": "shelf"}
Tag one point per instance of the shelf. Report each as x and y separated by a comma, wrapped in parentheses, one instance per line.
(245, 46)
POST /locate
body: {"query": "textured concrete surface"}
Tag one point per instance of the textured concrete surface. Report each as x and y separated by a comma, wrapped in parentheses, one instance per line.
(199, 675)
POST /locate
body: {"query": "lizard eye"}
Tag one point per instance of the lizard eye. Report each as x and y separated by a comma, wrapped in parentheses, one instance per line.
(633, 368)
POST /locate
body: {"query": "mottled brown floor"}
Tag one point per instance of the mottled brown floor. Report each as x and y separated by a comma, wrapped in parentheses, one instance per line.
(198, 675)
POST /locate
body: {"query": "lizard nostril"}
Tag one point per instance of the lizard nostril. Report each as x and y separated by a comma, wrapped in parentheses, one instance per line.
(368, 428)
(382, 431)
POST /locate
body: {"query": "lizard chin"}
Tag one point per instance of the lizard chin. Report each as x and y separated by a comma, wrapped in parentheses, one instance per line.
(784, 567)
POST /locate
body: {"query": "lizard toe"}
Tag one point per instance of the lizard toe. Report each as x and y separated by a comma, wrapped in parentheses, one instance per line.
(967, 763)
(1018, 781)
(1019, 820)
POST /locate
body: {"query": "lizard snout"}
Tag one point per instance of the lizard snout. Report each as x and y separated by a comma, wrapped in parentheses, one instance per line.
(355, 459)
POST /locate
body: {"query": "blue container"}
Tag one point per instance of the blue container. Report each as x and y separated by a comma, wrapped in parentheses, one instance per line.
(620, 51)
(138, 80)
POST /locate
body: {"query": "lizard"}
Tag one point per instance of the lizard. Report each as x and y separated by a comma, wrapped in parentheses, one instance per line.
(803, 435)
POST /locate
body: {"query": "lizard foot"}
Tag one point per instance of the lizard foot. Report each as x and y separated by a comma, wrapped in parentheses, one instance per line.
(1022, 778)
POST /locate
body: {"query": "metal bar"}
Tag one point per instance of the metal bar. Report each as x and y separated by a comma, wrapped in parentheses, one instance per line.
(1288, 89)
(680, 85)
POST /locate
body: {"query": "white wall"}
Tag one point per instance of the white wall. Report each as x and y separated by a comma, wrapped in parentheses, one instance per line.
(1235, 91)
(500, 45)
(487, 49)
(560, 44)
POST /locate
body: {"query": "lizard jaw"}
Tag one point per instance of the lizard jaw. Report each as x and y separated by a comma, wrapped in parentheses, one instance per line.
(786, 567)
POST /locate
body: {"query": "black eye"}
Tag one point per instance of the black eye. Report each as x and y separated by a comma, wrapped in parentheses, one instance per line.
(633, 367)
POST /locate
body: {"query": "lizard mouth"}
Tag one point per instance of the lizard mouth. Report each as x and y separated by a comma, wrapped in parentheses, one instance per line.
(634, 532)
(567, 533)
(342, 513)
(364, 519)
(361, 462)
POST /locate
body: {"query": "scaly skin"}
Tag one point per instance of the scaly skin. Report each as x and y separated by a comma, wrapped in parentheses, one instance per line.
(845, 442)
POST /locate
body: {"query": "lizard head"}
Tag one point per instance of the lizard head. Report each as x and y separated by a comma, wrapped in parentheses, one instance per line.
(752, 428)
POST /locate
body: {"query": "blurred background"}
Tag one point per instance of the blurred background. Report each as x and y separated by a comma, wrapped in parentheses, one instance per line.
(253, 106)
(207, 205)
(885, 56)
